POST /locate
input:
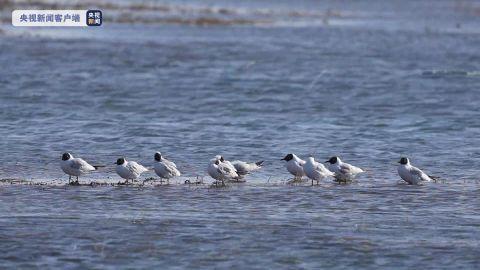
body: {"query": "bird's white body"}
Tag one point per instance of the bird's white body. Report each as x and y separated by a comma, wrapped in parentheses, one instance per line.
(222, 171)
(76, 166)
(229, 166)
(316, 171)
(130, 170)
(412, 175)
(244, 168)
(228, 170)
(215, 172)
(344, 171)
(166, 169)
(295, 166)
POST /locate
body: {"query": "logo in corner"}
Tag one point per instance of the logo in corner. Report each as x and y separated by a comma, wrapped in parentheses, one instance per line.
(94, 17)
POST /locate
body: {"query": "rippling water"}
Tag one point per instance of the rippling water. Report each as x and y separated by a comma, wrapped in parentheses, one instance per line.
(368, 81)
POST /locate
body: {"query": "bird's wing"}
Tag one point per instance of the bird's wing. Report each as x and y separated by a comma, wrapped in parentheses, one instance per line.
(228, 169)
(135, 167)
(169, 163)
(229, 164)
(171, 168)
(346, 168)
(224, 167)
(321, 168)
(80, 164)
(240, 166)
(318, 166)
(223, 170)
(417, 173)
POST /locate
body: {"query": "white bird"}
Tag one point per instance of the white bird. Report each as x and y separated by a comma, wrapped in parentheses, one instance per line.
(214, 170)
(165, 168)
(129, 169)
(75, 166)
(316, 171)
(411, 174)
(294, 165)
(343, 171)
(221, 171)
(229, 167)
(243, 168)
(226, 163)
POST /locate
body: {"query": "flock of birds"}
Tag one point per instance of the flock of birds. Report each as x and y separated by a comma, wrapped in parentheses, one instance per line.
(223, 170)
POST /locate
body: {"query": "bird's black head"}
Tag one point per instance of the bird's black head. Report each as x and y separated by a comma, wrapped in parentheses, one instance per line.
(288, 157)
(222, 159)
(120, 161)
(403, 160)
(332, 160)
(66, 156)
(158, 156)
(217, 162)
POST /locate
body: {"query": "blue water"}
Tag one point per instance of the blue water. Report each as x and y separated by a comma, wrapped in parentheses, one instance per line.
(371, 83)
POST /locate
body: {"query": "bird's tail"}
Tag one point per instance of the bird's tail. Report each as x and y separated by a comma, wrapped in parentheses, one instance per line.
(98, 166)
(259, 163)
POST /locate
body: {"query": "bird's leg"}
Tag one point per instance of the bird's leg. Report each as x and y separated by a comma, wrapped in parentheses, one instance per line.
(312, 182)
(77, 180)
(318, 182)
(69, 179)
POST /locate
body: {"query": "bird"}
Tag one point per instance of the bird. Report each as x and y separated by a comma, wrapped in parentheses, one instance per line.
(410, 174)
(343, 171)
(230, 168)
(221, 171)
(129, 169)
(227, 163)
(75, 166)
(294, 165)
(243, 168)
(214, 170)
(316, 171)
(165, 168)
